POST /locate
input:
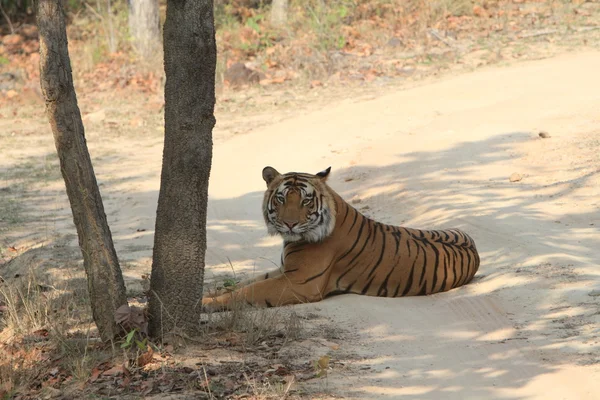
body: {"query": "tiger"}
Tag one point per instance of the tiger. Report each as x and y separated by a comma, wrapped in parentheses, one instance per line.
(330, 248)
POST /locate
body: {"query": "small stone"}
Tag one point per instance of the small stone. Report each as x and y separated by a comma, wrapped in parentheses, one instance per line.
(8, 81)
(49, 392)
(594, 293)
(239, 75)
(515, 177)
(544, 135)
(394, 42)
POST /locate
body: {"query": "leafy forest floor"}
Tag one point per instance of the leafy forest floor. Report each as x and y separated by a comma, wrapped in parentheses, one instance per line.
(350, 54)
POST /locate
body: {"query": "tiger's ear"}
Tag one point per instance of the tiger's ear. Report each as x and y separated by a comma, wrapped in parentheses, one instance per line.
(269, 173)
(324, 174)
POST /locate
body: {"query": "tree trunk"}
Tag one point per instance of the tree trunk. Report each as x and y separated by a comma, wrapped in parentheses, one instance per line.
(180, 239)
(105, 282)
(279, 12)
(144, 27)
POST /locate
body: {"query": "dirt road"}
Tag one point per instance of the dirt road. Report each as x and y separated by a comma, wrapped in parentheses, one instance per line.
(438, 156)
(435, 156)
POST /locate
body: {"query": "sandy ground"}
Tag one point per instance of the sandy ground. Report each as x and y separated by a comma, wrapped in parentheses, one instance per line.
(434, 156)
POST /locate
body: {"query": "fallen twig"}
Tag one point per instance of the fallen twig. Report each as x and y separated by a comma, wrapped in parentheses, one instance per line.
(540, 33)
(587, 28)
(5, 15)
(436, 34)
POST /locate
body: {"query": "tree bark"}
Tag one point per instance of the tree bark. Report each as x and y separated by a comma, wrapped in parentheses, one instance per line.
(180, 240)
(105, 282)
(144, 27)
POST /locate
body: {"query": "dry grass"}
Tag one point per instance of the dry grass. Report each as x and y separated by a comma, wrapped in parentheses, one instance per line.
(48, 339)
(253, 325)
(44, 325)
(32, 304)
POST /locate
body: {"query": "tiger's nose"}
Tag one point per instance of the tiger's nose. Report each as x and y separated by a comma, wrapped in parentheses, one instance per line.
(290, 224)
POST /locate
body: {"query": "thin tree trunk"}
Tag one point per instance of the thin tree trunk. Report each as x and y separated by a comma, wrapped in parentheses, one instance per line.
(279, 9)
(105, 282)
(180, 239)
(144, 27)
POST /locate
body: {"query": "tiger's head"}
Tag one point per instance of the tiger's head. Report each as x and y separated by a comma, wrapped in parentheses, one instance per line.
(298, 206)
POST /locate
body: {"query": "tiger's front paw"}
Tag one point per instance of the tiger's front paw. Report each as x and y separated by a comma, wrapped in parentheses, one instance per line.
(212, 304)
(209, 305)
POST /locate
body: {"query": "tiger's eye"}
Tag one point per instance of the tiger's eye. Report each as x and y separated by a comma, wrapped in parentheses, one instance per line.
(280, 199)
(306, 202)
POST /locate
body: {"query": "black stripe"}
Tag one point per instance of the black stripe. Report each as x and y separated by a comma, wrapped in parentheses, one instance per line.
(445, 275)
(321, 219)
(353, 222)
(436, 265)
(397, 235)
(362, 225)
(317, 275)
(455, 237)
(446, 272)
(465, 263)
(375, 225)
(268, 303)
(424, 263)
(318, 201)
(345, 214)
(380, 254)
(366, 288)
(356, 256)
(300, 177)
(364, 245)
(461, 263)
(468, 264)
(383, 288)
(410, 277)
(454, 261)
(349, 288)
(289, 253)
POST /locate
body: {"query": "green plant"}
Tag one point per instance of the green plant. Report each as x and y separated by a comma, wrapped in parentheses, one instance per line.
(321, 366)
(229, 283)
(132, 339)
